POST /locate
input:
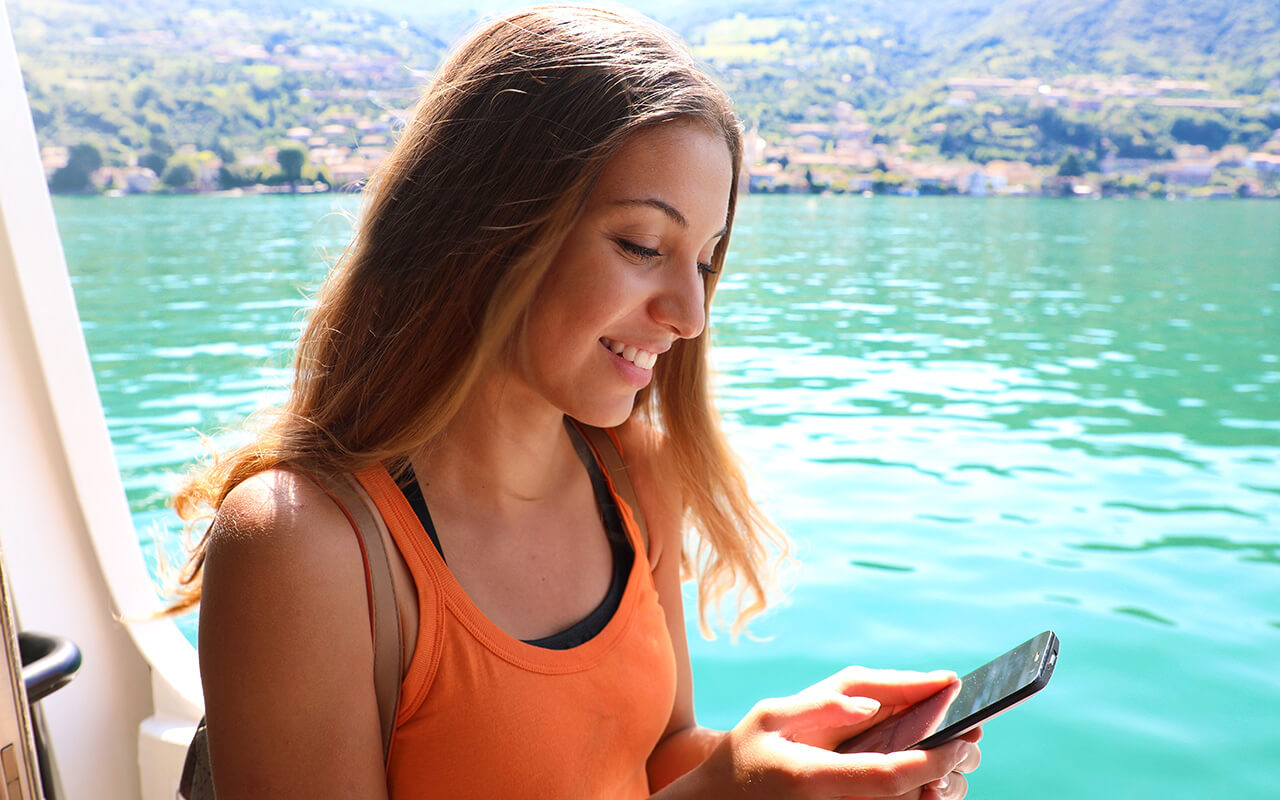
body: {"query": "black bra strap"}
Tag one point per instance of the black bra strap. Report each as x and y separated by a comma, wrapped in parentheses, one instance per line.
(413, 493)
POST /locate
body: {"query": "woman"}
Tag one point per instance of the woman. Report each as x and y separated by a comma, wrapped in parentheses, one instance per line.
(537, 255)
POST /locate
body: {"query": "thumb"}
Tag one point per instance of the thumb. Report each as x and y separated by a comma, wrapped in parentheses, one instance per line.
(826, 713)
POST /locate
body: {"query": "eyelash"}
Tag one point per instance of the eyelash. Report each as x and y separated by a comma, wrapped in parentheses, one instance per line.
(647, 253)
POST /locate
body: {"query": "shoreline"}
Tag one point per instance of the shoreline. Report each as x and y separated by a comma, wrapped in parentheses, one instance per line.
(356, 191)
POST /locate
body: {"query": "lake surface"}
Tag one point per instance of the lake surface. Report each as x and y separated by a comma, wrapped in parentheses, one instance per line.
(978, 419)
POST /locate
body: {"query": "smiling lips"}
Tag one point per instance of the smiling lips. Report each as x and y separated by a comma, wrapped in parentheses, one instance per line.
(641, 358)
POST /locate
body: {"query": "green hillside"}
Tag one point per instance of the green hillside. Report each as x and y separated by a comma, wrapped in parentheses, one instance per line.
(1235, 44)
(146, 76)
(1235, 41)
(787, 63)
(1091, 79)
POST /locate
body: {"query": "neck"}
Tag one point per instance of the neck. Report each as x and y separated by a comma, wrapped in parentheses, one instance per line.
(507, 447)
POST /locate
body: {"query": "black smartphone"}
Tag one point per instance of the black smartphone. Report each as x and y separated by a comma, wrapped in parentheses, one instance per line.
(988, 691)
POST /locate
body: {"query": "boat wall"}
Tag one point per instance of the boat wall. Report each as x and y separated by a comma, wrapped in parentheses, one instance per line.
(119, 729)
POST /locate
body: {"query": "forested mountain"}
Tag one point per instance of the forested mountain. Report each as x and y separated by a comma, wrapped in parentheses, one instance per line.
(1235, 41)
(1131, 78)
(139, 76)
(1090, 78)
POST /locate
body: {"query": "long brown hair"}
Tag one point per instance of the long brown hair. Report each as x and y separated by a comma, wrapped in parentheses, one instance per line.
(460, 224)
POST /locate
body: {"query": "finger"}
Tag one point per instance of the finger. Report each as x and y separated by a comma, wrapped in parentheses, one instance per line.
(948, 787)
(971, 760)
(885, 774)
(974, 735)
(890, 687)
(807, 712)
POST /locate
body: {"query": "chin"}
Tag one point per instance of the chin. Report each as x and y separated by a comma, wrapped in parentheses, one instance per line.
(604, 416)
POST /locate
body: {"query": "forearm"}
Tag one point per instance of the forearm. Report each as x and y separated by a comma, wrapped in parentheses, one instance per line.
(679, 753)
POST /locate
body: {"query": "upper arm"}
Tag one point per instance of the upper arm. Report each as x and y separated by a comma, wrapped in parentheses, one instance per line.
(286, 654)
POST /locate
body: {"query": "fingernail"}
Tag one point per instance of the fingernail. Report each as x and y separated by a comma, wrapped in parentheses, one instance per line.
(963, 752)
(941, 784)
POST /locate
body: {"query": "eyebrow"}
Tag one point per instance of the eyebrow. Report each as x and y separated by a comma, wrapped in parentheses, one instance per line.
(666, 208)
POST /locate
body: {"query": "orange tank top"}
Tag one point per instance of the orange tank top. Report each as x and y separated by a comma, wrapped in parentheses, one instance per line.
(485, 715)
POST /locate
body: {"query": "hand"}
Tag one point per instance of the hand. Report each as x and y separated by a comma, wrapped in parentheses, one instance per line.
(783, 747)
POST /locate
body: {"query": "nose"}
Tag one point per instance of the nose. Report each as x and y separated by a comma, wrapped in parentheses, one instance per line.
(680, 305)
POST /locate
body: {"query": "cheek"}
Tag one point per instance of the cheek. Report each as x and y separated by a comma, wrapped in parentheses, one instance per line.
(565, 319)
(588, 290)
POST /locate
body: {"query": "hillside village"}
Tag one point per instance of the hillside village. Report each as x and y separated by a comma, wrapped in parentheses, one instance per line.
(344, 103)
(343, 150)
(848, 156)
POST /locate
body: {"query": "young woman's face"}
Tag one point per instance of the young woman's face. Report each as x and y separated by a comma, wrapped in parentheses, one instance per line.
(630, 278)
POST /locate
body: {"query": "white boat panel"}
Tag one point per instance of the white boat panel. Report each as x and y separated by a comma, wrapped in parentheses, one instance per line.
(73, 556)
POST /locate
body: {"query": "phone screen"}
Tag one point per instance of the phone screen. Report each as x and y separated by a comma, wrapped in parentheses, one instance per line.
(989, 690)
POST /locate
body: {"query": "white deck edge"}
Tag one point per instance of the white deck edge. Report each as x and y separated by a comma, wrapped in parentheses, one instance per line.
(31, 250)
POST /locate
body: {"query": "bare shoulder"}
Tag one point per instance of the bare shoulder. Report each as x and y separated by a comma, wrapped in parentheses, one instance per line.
(281, 554)
(278, 537)
(653, 472)
(286, 651)
(275, 511)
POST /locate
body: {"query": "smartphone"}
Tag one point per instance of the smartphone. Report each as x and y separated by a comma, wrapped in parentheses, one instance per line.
(988, 691)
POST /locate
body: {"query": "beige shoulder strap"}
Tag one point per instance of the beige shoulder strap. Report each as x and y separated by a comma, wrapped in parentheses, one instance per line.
(387, 648)
(604, 444)
(196, 782)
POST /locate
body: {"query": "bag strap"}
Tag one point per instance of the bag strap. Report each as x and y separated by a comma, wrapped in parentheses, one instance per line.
(196, 782)
(388, 651)
(606, 447)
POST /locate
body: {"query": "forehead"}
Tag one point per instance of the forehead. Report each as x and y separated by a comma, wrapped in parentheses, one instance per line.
(683, 164)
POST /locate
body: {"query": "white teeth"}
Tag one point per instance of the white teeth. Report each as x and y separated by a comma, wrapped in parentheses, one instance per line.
(641, 358)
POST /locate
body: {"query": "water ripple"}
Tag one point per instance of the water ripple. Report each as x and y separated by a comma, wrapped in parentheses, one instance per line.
(1262, 552)
(977, 419)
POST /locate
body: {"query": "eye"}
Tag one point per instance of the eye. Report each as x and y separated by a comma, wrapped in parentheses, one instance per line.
(648, 254)
(639, 250)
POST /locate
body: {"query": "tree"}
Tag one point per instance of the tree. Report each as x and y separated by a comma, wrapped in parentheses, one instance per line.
(223, 150)
(154, 162)
(291, 158)
(179, 176)
(275, 40)
(82, 161)
(160, 145)
(229, 178)
(1212, 133)
(323, 175)
(71, 178)
(85, 156)
(146, 93)
(1055, 128)
(1070, 167)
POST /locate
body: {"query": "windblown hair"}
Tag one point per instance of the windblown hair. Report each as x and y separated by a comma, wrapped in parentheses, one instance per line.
(460, 224)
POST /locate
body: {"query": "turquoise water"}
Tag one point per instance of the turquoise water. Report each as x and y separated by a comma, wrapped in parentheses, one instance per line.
(978, 419)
